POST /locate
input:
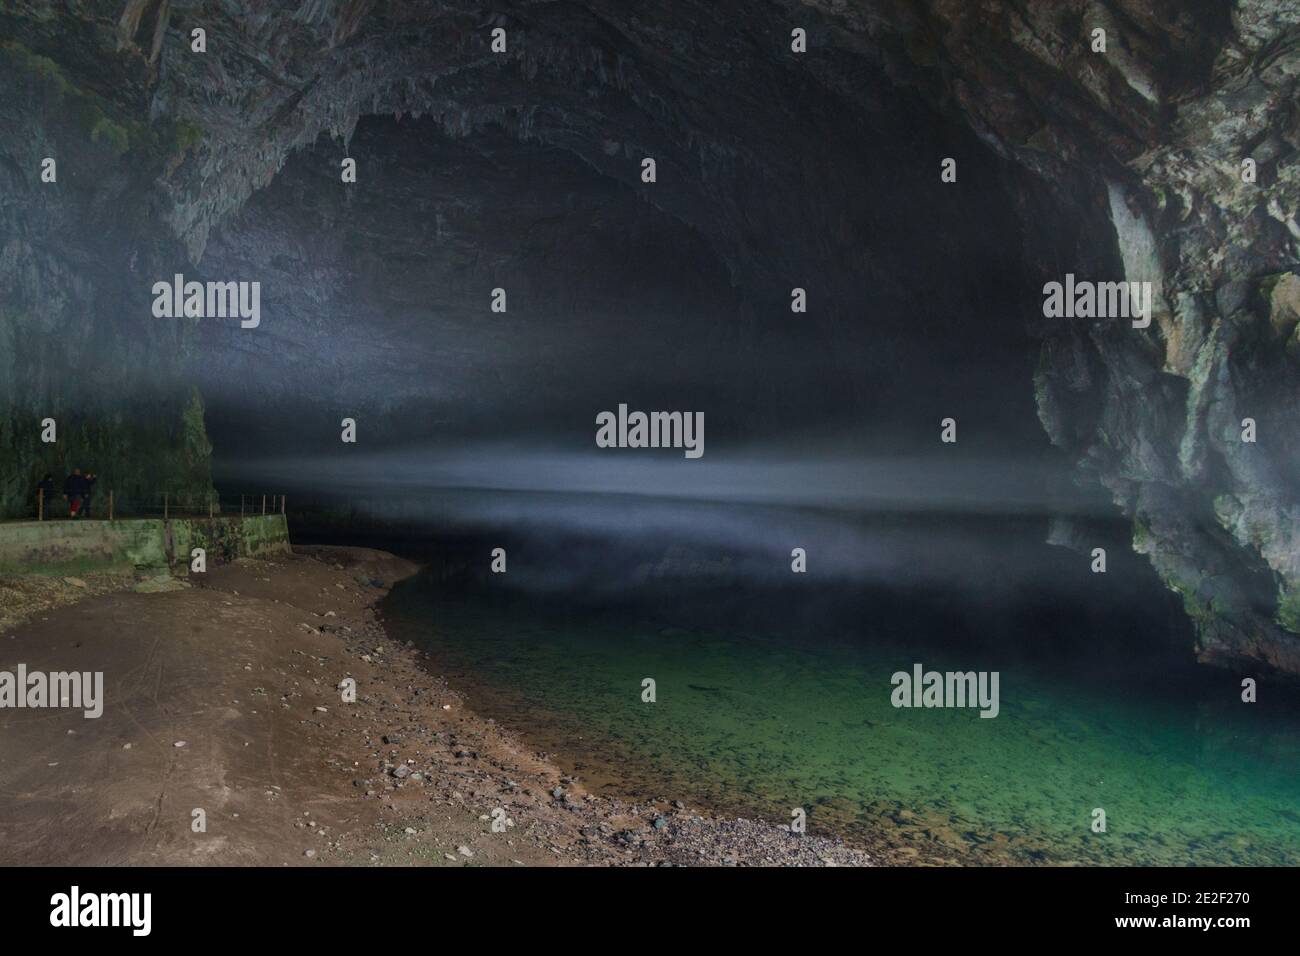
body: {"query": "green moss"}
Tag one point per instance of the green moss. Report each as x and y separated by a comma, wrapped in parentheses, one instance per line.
(41, 67)
(1288, 611)
(1141, 535)
(118, 139)
(1197, 608)
(187, 135)
(104, 121)
(190, 458)
(194, 432)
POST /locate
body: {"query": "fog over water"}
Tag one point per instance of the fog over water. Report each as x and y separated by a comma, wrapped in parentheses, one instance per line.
(1033, 485)
(609, 520)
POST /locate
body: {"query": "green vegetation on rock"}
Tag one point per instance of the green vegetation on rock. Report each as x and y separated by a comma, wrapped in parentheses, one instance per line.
(105, 130)
(1141, 535)
(104, 121)
(187, 135)
(1288, 610)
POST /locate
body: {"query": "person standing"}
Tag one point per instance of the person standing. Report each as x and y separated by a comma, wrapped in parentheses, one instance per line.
(74, 492)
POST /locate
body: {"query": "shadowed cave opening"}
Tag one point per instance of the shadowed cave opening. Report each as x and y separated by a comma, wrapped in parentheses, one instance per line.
(477, 427)
(380, 294)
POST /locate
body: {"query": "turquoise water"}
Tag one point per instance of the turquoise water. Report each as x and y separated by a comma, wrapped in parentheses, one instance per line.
(757, 723)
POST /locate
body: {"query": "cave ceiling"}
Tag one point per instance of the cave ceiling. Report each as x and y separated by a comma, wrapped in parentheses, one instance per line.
(775, 169)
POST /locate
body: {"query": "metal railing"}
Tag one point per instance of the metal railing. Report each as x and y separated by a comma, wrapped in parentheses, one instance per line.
(101, 506)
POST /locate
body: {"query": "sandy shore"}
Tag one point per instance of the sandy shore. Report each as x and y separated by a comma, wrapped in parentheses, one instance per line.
(223, 697)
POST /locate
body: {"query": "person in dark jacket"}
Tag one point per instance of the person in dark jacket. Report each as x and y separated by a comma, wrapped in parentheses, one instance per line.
(74, 492)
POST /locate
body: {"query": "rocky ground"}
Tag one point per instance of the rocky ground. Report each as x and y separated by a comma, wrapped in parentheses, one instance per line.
(225, 740)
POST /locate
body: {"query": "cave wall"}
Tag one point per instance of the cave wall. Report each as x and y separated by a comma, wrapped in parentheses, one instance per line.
(1131, 166)
(1156, 128)
(77, 343)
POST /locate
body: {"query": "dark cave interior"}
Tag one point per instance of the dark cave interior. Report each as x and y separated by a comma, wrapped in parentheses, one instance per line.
(777, 168)
(919, 303)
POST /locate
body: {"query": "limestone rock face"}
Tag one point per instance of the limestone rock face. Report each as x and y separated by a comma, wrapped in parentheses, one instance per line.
(77, 172)
(1187, 126)
(1125, 164)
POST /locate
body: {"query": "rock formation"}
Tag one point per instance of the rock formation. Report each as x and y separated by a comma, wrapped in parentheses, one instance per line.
(786, 168)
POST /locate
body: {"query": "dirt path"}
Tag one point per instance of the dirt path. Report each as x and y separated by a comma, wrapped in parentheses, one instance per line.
(223, 697)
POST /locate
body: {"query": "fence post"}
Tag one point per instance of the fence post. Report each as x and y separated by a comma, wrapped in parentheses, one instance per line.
(241, 506)
(209, 507)
(282, 504)
(263, 504)
(40, 504)
(110, 504)
(165, 506)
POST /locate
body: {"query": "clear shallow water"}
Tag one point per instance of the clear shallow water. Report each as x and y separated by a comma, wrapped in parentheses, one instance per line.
(756, 715)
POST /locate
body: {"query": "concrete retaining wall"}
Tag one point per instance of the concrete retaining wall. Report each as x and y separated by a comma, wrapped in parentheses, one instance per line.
(69, 547)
